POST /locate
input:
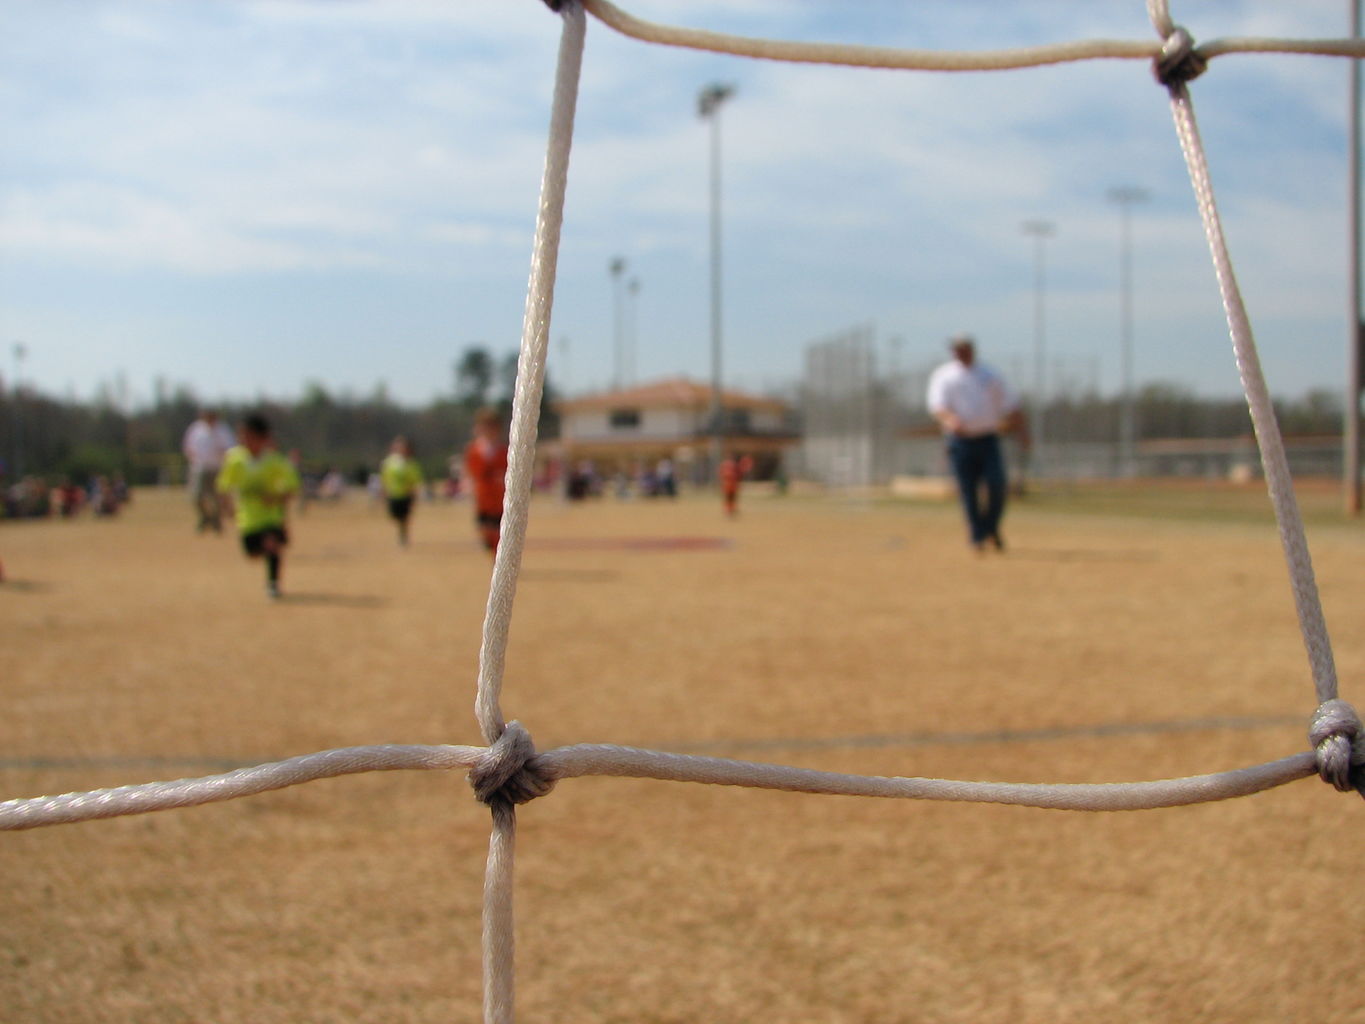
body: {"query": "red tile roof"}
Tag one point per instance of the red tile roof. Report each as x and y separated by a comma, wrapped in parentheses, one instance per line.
(673, 391)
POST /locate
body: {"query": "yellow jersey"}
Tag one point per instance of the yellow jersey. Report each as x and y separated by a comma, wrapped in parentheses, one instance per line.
(261, 485)
(400, 475)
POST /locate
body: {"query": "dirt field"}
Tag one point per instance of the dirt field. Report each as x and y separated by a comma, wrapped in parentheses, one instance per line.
(858, 637)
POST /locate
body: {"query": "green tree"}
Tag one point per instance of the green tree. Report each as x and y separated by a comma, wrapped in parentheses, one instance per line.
(473, 376)
(507, 377)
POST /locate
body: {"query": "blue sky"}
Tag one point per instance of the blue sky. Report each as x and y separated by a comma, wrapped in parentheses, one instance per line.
(243, 196)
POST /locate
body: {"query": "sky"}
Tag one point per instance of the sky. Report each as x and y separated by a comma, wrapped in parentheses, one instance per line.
(246, 197)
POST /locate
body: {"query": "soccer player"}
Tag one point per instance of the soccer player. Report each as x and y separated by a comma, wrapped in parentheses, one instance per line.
(733, 470)
(261, 482)
(402, 479)
(485, 463)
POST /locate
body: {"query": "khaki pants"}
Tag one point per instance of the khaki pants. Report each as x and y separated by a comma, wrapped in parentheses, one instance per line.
(204, 497)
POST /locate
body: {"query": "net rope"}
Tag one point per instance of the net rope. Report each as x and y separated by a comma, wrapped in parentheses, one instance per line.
(509, 771)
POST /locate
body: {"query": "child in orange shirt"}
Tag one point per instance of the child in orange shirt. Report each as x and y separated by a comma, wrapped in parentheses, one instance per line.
(732, 471)
(485, 464)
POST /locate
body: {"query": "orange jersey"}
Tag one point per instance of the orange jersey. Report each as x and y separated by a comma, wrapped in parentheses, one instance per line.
(731, 472)
(485, 465)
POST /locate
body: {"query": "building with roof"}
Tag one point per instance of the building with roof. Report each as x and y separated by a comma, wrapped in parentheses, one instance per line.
(671, 419)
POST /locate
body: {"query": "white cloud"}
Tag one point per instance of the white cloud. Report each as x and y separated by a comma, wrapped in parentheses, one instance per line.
(229, 139)
(120, 231)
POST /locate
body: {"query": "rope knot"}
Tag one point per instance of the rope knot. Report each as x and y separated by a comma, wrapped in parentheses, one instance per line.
(1339, 742)
(507, 773)
(1179, 61)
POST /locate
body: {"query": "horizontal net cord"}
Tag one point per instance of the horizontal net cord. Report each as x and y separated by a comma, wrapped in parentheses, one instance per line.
(1253, 44)
(853, 55)
(599, 759)
(1159, 11)
(36, 812)
(630, 762)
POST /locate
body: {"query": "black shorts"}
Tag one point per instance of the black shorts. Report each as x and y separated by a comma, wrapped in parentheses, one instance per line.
(400, 508)
(254, 543)
(491, 520)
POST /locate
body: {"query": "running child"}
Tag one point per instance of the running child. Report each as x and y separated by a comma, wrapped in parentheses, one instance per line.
(733, 470)
(402, 479)
(485, 463)
(261, 482)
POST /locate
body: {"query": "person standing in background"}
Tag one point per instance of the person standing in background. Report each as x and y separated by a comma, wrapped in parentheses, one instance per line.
(974, 406)
(205, 443)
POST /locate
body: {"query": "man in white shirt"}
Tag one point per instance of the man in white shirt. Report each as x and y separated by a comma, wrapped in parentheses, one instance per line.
(974, 406)
(205, 443)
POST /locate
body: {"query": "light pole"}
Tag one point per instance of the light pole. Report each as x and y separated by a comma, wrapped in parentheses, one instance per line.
(1041, 231)
(1125, 196)
(617, 267)
(709, 101)
(633, 345)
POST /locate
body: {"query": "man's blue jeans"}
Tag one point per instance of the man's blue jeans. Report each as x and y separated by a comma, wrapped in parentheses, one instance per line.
(978, 461)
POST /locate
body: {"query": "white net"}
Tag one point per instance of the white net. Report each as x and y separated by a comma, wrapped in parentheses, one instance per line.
(509, 771)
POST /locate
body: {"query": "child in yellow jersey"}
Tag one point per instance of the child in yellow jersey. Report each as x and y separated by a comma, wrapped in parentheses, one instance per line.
(402, 479)
(261, 482)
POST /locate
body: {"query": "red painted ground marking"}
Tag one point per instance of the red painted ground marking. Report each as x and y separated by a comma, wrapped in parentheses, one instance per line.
(628, 543)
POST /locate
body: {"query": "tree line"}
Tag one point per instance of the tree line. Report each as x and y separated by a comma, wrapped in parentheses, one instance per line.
(55, 438)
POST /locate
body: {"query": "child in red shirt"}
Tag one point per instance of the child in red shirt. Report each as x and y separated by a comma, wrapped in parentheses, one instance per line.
(485, 464)
(732, 471)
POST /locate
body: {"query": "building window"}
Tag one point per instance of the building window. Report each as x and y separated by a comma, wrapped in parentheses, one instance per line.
(625, 419)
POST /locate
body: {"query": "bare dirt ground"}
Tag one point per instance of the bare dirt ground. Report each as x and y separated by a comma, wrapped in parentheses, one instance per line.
(859, 637)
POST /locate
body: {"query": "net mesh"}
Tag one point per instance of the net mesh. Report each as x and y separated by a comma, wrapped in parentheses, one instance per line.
(509, 771)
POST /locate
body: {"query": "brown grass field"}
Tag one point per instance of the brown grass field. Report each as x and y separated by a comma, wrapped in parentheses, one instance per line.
(1129, 634)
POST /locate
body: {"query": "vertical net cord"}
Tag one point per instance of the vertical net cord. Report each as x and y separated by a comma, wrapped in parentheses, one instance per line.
(1159, 11)
(1273, 459)
(498, 934)
(530, 377)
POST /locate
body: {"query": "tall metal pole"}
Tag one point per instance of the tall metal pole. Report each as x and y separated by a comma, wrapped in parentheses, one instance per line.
(708, 107)
(633, 342)
(617, 267)
(1350, 434)
(1041, 230)
(1125, 196)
